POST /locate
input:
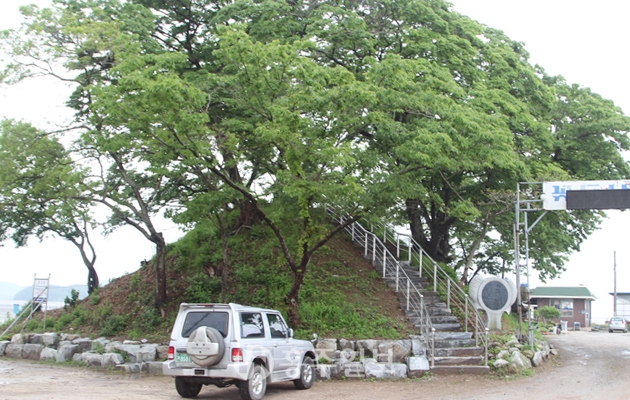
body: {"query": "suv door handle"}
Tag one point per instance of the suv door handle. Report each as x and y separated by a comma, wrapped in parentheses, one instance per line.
(275, 345)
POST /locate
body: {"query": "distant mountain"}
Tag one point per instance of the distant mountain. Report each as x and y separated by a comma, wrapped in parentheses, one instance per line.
(9, 290)
(57, 293)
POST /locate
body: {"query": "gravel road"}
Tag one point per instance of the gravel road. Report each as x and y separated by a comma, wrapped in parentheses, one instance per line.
(591, 365)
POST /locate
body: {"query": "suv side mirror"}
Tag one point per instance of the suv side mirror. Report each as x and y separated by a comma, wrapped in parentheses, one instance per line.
(290, 333)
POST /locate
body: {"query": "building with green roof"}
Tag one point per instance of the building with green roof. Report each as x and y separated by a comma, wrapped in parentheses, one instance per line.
(574, 303)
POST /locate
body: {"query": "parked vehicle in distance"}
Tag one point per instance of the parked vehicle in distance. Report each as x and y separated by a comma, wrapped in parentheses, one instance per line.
(231, 344)
(618, 324)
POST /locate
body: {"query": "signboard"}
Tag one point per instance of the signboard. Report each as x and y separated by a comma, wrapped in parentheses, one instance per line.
(555, 193)
(40, 290)
(495, 295)
(598, 199)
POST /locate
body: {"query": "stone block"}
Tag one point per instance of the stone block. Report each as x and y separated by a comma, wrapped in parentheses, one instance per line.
(537, 359)
(152, 367)
(3, 347)
(69, 336)
(110, 360)
(131, 368)
(14, 350)
(325, 348)
(85, 344)
(162, 352)
(146, 353)
(92, 359)
(417, 366)
(50, 339)
(393, 351)
(418, 345)
(78, 357)
(66, 351)
(346, 344)
(368, 348)
(323, 372)
(19, 338)
(385, 371)
(32, 351)
(501, 363)
(36, 339)
(354, 370)
(48, 354)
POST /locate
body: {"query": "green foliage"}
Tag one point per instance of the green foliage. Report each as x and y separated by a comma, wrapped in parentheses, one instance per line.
(113, 325)
(70, 302)
(548, 312)
(202, 289)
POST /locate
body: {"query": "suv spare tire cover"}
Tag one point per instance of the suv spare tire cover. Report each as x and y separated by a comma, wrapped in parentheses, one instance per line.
(204, 334)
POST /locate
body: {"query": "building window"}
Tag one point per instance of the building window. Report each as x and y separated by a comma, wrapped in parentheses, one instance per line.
(565, 306)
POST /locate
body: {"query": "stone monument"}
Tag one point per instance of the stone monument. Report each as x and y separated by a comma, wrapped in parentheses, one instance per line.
(493, 295)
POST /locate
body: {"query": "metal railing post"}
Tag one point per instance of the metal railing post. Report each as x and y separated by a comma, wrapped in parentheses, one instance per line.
(486, 346)
(397, 274)
(373, 248)
(366, 245)
(352, 233)
(448, 293)
(435, 277)
(384, 235)
(398, 247)
(420, 263)
(466, 314)
(432, 347)
(408, 290)
(384, 261)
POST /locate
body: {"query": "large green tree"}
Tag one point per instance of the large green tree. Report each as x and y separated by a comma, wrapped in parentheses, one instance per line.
(41, 190)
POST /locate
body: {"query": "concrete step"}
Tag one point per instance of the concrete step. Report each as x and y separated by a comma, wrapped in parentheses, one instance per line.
(453, 335)
(441, 327)
(459, 351)
(473, 360)
(460, 369)
(440, 344)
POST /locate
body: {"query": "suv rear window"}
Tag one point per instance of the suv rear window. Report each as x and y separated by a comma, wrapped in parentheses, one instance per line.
(213, 319)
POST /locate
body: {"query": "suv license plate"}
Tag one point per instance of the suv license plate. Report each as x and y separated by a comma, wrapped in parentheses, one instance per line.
(182, 357)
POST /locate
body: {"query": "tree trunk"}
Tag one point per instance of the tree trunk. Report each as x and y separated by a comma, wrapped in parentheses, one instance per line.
(248, 215)
(160, 272)
(224, 267)
(93, 282)
(293, 297)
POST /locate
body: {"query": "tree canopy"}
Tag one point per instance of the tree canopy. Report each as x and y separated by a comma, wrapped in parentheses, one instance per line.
(265, 111)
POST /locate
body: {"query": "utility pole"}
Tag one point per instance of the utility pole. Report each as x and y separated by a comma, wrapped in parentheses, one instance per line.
(615, 283)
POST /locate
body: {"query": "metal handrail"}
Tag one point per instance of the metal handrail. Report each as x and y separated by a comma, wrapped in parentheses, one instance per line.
(380, 255)
(382, 234)
(455, 295)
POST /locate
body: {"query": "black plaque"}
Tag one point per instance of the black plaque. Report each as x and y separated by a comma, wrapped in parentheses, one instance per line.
(495, 295)
(598, 199)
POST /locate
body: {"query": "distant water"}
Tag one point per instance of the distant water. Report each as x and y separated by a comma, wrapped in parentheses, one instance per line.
(6, 308)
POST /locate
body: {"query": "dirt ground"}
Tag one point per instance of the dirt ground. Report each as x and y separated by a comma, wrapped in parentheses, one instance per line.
(591, 365)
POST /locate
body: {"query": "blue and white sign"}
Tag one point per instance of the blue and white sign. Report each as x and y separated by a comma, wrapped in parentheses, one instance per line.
(555, 193)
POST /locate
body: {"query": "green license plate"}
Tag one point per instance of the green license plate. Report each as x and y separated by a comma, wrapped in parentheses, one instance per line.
(182, 357)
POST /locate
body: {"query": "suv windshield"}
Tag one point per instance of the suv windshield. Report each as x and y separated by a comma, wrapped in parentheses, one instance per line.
(213, 319)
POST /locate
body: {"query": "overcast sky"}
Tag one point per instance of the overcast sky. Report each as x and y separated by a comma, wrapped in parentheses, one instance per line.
(584, 41)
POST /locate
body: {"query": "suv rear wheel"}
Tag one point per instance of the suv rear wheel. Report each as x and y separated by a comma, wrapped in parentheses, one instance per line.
(255, 386)
(185, 389)
(307, 375)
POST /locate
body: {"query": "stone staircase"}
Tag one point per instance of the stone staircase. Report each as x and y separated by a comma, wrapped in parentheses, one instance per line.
(455, 352)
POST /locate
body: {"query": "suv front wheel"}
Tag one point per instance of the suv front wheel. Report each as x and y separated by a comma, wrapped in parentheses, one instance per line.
(307, 375)
(255, 386)
(185, 389)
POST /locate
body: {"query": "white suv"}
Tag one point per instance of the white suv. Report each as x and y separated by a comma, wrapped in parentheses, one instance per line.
(224, 344)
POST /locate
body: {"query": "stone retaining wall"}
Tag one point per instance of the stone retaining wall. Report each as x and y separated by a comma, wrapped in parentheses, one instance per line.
(338, 359)
(129, 356)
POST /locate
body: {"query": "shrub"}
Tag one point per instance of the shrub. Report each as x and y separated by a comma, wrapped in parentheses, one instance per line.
(70, 302)
(113, 325)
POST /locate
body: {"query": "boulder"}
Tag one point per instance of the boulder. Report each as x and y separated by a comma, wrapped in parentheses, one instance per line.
(19, 338)
(367, 348)
(32, 351)
(131, 368)
(146, 353)
(110, 360)
(85, 344)
(417, 366)
(503, 355)
(162, 353)
(353, 370)
(66, 351)
(346, 344)
(50, 339)
(77, 358)
(3, 347)
(152, 367)
(69, 336)
(14, 350)
(36, 338)
(537, 359)
(385, 371)
(92, 359)
(393, 351)
(501, 363)
(418, 345)
(518, 361)
(325, 348)
(48, 354)
(323, 372)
